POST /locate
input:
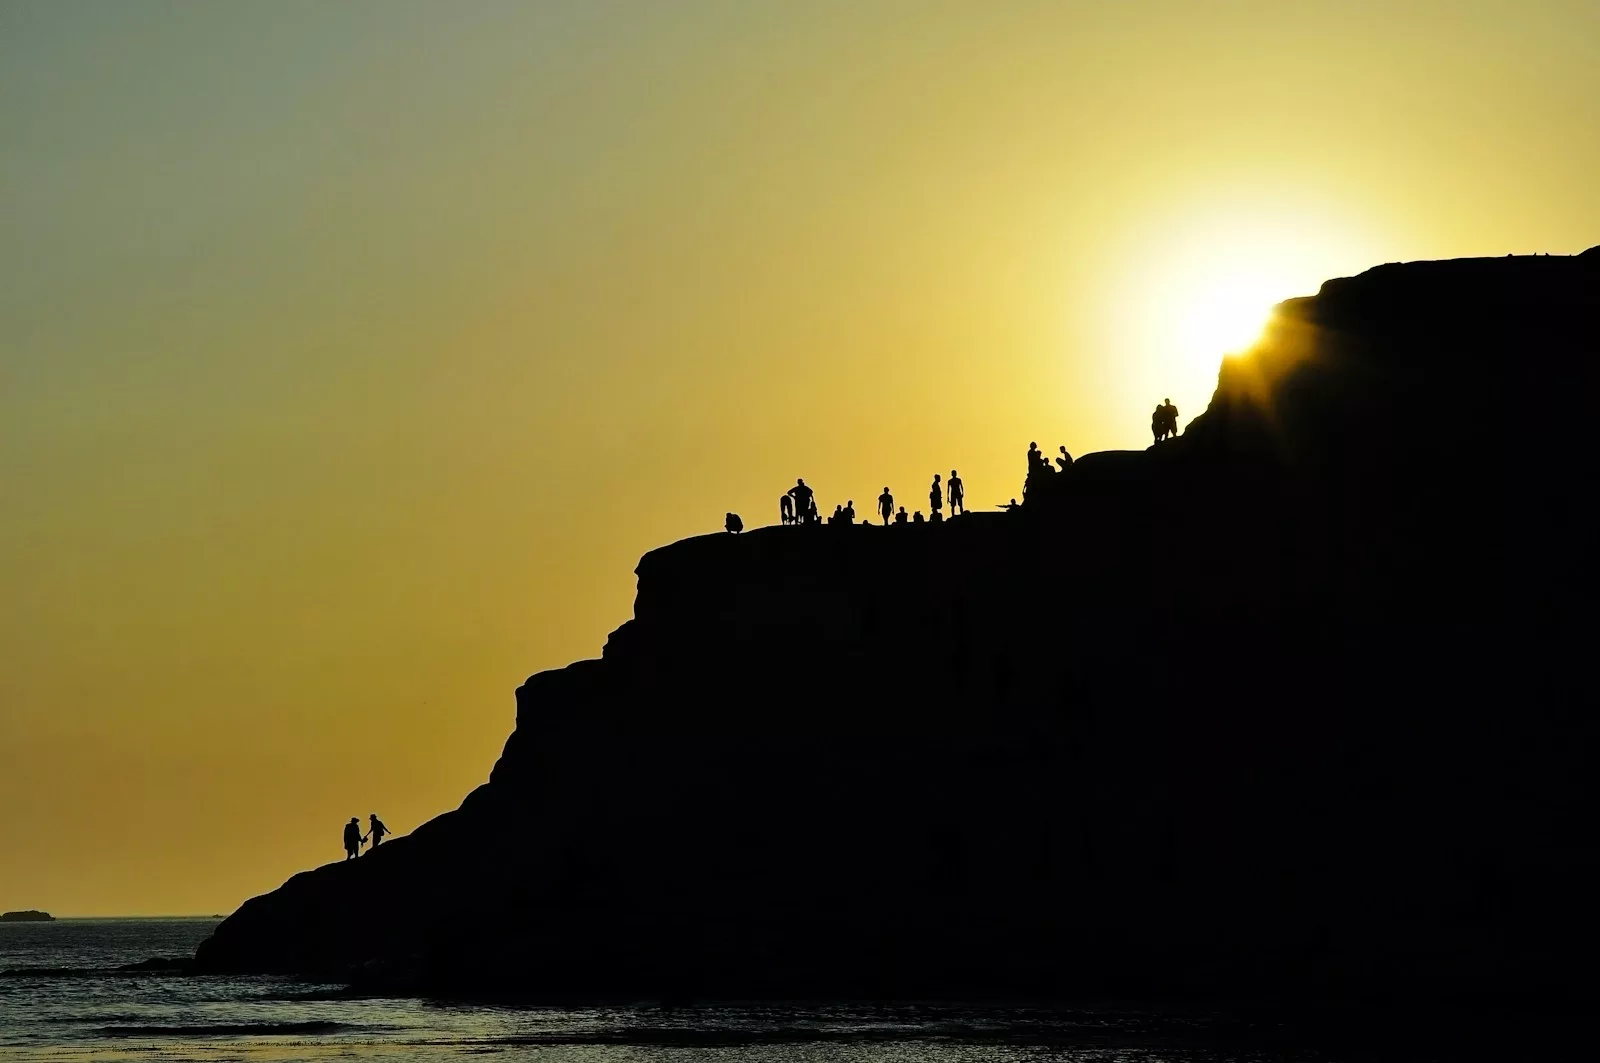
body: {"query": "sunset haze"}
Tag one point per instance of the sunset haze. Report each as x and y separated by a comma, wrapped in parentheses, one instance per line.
(352, 354)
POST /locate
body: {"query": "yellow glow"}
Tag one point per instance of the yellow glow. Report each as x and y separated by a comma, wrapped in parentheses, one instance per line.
(1199, 278)
(1224, 313)
(351, 356)
(1227, 266)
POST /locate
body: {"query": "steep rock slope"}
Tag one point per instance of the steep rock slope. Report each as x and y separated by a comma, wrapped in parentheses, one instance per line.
(1294, 703)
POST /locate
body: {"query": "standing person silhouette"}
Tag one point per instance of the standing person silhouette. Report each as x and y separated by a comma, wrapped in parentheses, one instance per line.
(1169, 413)
(804, 502)
(785, 509)
(958, 493)
(352, 838)
(377, 830)
(935, 497)
(886, 506)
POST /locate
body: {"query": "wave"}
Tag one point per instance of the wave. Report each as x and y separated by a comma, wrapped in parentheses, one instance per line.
(233, 1029)
(658, 1037)
(317, 995)
(157, 965)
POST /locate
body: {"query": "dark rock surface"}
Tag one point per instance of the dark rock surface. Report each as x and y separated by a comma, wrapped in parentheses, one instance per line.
(32, 915)
(1294, 705)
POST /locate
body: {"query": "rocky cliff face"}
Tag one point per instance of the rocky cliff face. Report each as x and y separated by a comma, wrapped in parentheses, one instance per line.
(1294, 703)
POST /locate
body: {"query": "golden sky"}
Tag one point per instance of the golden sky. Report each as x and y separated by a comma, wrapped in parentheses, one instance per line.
(351, 354)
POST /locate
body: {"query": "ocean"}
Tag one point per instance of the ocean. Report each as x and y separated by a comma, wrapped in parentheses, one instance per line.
(62, 999)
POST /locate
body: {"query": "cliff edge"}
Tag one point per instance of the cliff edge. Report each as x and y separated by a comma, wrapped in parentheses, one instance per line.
(1291, 704)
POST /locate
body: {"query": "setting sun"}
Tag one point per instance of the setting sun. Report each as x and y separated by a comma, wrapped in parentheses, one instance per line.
(1199, 282)
(1224, 314)
(1224, 272)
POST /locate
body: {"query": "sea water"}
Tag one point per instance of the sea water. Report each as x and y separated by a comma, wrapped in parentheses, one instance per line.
(63, 999)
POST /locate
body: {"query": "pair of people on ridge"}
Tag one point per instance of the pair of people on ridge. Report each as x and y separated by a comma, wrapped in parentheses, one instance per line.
(1164, 422)
(956, 490)
(354, 839)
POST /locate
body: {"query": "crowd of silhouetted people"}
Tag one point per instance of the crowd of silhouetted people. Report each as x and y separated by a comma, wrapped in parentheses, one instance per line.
(1039, 471)
(354, 839)
(798, 505)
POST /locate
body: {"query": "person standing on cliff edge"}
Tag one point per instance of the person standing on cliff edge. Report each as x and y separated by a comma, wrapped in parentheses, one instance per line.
(352, 838)
(935, 498)
(377, 830)
(886, 506)
(958, 493)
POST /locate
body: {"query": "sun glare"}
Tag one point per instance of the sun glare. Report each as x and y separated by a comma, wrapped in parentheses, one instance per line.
(1200, 286)
(1225, 314)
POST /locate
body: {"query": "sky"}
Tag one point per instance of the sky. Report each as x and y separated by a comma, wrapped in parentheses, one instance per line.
(352, 354)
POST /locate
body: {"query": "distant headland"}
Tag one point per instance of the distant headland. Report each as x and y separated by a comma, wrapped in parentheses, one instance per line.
(30, 916)
(1288, 706)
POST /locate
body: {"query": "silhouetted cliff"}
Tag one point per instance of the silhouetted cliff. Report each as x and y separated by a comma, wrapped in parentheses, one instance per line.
(1294, 704)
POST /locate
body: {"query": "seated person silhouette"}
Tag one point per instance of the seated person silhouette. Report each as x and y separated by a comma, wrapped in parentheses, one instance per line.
(838, 515)
(886, 506)
(377, 830)
(733, 524)
(1065, 459)
(900, 517)
(352, 838)
(957, 492)
(1011, 505)
(916, 518)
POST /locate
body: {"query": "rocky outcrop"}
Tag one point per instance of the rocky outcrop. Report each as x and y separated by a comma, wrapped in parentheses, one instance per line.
(31, 915)
(1294, 704)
